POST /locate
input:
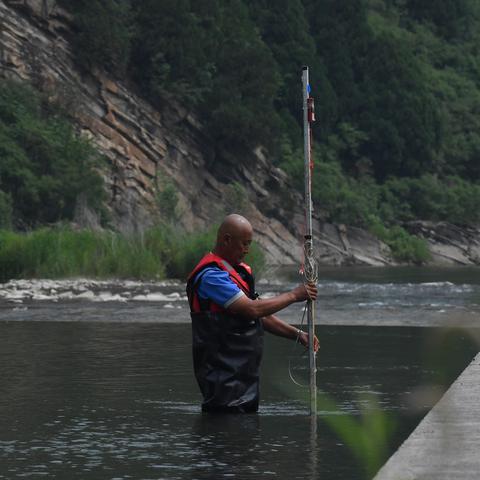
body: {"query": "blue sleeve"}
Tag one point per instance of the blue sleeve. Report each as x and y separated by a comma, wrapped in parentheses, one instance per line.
(216, 285)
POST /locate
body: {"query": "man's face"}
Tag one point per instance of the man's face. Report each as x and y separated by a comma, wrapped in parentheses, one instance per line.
(238, 245)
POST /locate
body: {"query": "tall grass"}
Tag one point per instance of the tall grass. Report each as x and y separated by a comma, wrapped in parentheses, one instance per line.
(61, 252)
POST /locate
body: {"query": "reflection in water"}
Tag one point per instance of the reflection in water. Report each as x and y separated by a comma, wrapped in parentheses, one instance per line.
(253, 446)
(227, 445)
(95, 401)
(313, 457)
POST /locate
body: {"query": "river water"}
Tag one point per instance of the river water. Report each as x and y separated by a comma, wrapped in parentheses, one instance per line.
(96, 378)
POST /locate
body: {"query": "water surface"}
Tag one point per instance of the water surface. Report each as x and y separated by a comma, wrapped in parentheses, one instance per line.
(94, 401)
(97, 383)
(358, 296)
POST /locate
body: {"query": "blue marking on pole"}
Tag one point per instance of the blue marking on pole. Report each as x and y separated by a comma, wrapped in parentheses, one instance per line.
(308, 88)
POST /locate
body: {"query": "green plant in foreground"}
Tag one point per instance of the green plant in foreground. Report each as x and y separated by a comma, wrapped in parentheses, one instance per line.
(366, 437)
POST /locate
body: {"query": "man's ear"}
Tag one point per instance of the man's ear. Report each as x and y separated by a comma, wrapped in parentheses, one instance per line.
(227, 238)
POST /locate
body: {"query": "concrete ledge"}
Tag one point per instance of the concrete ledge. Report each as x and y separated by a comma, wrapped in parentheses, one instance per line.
(446, 443)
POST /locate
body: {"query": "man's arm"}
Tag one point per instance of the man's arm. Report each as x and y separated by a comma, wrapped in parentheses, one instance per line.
(278, 327)
(259, 308)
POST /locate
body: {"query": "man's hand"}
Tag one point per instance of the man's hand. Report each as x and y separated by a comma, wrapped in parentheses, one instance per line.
(259, 308)
(307, 291)
(303, 339)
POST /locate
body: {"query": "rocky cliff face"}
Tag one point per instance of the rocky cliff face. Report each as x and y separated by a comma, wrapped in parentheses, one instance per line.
(146, 145)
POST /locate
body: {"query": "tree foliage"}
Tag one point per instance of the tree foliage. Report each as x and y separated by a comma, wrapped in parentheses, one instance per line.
(396, 84)
(103, 33)
(44, 166)
(447, 16)
(194, 49)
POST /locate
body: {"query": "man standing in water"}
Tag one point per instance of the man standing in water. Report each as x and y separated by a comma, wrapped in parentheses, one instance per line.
(228, 321)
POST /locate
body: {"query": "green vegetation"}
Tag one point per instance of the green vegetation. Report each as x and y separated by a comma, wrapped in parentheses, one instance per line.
(59, 252)
(167, 200)
(405, 247)
(353, 200)
(367, 437)
(56, 253)
(237, 199)
(44, 166)
(395, 81)
(397, 92)
(45, 170)
(5, 210)
(103, 33)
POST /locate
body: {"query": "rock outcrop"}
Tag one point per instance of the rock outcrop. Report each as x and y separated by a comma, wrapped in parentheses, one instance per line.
(449, 244)
(343, 245)
(147, 146)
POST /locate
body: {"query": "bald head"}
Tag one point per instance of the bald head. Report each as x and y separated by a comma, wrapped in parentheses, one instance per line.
(234, 237)
(234, 225)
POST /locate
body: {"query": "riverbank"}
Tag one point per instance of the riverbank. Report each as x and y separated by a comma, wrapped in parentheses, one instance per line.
(445, 444)
(165, 251)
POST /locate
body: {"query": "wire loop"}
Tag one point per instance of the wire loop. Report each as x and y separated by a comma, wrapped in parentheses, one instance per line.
(310, 269)
(292, 378)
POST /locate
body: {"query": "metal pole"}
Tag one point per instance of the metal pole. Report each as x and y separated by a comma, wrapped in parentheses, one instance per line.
(309, 261)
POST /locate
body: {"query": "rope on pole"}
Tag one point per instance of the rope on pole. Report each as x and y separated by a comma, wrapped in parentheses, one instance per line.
(310, 267)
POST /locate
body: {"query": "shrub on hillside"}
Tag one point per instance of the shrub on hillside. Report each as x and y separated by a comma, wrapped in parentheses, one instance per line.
(44, 165)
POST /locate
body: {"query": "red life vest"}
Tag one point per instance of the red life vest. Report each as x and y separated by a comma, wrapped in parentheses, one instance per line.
(210, 259)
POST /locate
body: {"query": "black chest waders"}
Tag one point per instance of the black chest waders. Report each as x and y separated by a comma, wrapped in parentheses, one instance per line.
(227, 350)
